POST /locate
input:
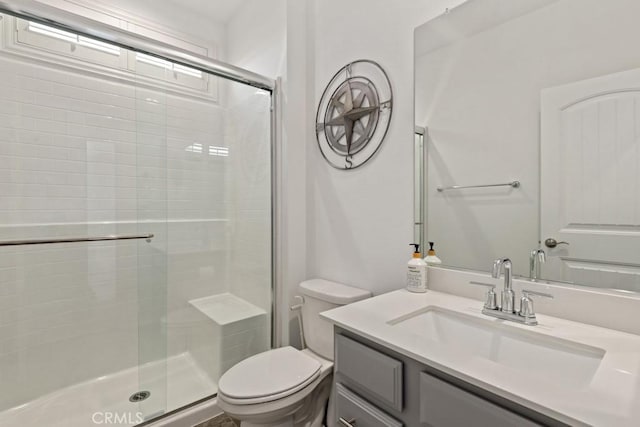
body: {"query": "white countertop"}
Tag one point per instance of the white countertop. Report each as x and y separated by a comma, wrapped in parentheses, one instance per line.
(610, 399)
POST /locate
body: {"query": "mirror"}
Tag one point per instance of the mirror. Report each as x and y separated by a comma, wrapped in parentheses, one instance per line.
(419, 161)
(535, 107)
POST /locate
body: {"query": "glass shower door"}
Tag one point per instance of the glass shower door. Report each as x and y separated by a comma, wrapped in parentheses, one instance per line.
(82, 320)
(173, 167)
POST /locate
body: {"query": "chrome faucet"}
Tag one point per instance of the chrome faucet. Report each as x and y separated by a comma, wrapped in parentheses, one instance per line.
(506, 310)
(536, 258)
(507, 297)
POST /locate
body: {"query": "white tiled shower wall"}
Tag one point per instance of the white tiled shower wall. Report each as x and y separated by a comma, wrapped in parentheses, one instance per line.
(83, 155)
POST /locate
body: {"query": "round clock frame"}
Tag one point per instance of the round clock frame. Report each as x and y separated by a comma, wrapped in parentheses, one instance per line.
(354, 114)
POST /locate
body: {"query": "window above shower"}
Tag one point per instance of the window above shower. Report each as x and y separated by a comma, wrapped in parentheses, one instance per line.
(49, 44)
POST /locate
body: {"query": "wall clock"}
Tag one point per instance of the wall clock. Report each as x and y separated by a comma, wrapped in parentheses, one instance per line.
(354, 114)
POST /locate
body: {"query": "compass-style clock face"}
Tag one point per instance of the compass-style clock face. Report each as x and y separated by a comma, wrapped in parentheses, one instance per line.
(354, 114)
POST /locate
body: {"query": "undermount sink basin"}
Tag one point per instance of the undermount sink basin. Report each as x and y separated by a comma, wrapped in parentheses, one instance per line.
(546, 358)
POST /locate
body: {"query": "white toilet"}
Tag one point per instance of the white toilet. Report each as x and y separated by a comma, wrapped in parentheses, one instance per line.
(285, 386)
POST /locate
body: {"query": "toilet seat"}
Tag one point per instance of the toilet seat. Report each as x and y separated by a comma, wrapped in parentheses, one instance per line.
(268, 376)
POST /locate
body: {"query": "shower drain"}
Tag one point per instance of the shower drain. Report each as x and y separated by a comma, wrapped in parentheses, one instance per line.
(139, 396)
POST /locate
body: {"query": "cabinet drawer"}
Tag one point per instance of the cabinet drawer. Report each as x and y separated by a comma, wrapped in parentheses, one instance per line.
(358, 412)
(445, 405)
(377, 373)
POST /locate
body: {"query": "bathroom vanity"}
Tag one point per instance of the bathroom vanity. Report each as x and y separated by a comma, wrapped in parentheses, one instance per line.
(434, 359)
(376, 386)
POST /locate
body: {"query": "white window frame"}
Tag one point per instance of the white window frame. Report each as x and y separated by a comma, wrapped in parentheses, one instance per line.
(58, 48)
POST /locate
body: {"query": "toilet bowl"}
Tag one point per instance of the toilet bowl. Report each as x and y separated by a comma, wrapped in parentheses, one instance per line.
(286, 386)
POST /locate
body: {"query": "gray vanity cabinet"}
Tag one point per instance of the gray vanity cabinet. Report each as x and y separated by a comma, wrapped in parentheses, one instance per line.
(378, 387)
(370, 370)
(354, 410)
(445, 405)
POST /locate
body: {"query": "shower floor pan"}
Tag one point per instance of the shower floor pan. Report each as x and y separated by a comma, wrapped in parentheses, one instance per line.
(105, 400)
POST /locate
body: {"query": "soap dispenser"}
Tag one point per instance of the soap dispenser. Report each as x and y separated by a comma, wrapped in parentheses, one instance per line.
(416, 272)
(431, 258)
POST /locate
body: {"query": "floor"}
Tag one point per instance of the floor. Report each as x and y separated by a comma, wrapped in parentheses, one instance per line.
(220, 421)
(105, 400)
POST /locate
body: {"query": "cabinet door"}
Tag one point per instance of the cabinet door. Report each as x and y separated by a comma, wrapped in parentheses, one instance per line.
(376, 373)
(445, 405)
(352, 410)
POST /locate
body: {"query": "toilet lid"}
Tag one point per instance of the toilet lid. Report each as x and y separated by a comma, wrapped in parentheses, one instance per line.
(278, 373)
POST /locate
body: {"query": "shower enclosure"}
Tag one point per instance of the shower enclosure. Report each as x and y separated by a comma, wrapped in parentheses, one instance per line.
(136, 260)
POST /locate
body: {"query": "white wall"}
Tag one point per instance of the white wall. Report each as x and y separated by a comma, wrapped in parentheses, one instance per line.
(256, 37)
(360, 222)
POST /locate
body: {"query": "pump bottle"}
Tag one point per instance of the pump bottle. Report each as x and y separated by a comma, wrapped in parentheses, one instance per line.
(431, 258)
(416, 272)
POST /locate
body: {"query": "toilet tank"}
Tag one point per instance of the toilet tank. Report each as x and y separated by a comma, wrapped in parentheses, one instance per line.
(322, 295)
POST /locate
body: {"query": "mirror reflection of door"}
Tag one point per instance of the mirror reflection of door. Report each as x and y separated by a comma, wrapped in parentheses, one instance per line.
(590, 181)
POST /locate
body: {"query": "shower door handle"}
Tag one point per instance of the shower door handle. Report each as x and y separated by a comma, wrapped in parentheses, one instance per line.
(147, 236)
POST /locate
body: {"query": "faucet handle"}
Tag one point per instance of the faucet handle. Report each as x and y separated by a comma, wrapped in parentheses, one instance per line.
(491, 303)
(526, 305)
(542, 256)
